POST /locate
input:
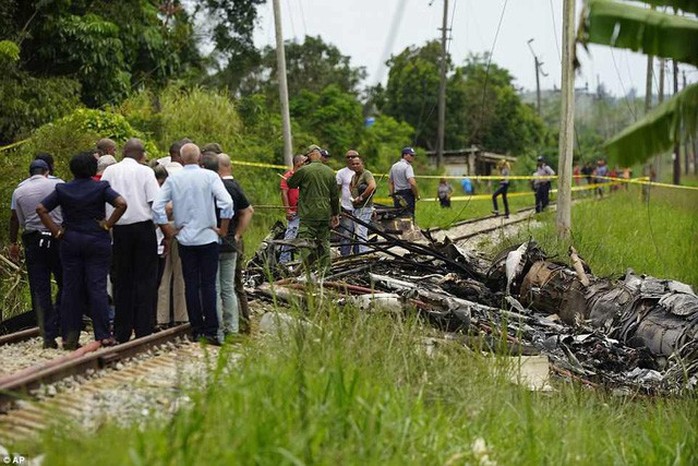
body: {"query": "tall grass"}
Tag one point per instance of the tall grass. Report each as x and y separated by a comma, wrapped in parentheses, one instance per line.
(361, 389)
(659, 237)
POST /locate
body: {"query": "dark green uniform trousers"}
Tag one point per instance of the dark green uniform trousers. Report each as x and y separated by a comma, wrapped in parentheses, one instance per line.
(319, 232)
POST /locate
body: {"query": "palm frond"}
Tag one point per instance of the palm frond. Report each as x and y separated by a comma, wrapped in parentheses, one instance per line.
(640, 29)
(657, 131)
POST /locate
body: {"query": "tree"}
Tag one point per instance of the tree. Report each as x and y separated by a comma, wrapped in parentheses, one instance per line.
(229, 25)
(487, 111)
(98, 50)
(311, 65)
(482, 105)
(333, 116)
(412, 90)
(620, 24)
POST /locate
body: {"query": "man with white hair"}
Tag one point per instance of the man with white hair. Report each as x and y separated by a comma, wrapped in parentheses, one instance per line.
(232, 299)
(195, 193)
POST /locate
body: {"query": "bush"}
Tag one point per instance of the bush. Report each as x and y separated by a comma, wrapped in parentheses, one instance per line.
(63, 138)
(201, 115)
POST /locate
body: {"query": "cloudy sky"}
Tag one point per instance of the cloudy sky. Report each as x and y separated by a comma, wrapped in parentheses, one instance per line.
(362, 30)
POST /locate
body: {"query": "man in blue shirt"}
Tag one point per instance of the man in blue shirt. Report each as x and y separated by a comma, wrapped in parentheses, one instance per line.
(195, 193)
(41, 249)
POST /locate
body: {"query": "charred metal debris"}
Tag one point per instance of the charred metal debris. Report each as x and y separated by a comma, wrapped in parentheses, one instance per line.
(633, 334)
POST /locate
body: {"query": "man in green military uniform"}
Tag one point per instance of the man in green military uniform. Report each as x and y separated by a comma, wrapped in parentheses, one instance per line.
(318, 206)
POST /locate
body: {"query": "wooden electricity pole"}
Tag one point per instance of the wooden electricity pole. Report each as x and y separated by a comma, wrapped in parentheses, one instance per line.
(442, 91)
(648, 84)
(283, 86)
(538, 64)
(564, 167)
(677, 145)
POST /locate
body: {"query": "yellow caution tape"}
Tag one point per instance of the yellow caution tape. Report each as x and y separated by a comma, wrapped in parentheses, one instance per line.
(13, 145)
(259, 165)
(641, 180)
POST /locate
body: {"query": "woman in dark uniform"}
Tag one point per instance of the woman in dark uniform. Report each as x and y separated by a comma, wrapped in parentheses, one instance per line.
(85, 247)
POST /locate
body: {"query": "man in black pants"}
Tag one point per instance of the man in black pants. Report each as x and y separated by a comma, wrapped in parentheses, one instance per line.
(135, 244)
(40, 248)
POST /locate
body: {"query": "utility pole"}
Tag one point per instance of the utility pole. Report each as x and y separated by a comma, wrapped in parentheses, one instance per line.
(686, 152)
(648, 84)
(564, 173)
(648, 103)
(538, 65)
(660, 98)
(677, 145)
(442, 91)
(283, 86)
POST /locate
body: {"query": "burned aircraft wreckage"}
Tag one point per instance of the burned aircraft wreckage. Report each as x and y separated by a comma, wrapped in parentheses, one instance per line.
(634, 333)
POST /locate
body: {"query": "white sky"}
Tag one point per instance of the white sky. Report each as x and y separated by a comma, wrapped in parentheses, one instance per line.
(361, 29)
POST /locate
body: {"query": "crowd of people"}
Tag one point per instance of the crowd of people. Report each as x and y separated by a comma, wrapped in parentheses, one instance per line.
(139, 245)
(162, 241)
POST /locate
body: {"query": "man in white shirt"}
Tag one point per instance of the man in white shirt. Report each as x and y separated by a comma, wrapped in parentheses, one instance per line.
(346, 225)
(135, 247)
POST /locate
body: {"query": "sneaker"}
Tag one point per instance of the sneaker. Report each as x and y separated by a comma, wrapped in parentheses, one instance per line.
(495, 213)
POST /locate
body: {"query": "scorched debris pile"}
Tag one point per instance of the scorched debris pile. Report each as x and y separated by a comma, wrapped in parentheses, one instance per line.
(635, 333)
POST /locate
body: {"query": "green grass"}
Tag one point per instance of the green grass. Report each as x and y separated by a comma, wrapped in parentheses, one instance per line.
(361, 389)
(621, 232)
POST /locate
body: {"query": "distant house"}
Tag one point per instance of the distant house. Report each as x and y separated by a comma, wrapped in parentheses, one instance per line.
(471, 161)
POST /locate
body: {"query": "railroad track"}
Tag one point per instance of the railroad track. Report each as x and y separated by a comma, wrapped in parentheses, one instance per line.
(151, 385)
(90, 358)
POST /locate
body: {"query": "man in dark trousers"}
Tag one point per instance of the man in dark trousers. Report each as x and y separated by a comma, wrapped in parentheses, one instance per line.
(401, 182)
(318, 207)
(195, 194)
(41, 249)
(542, 183)
(135, 245)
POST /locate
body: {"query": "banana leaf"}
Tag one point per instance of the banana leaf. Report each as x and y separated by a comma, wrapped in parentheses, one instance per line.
(657, 131)
(688, 6)
(640, 29)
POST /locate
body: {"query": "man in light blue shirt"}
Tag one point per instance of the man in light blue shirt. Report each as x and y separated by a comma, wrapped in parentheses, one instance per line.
(195, 193)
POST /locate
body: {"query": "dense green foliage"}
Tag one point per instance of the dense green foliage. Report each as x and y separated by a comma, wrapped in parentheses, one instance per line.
(311, 66)
(483, 107)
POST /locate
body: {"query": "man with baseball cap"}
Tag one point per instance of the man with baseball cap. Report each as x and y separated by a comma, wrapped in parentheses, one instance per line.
(318, 206)
(402, 184)
(41, 249)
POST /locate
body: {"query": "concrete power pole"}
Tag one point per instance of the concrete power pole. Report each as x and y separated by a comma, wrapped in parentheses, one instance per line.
(283, 86)
(564, 180)
(442, 91)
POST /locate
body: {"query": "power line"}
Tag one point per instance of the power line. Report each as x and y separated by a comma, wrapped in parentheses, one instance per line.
(487, 69)
(622, 86)
(305, 27)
